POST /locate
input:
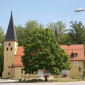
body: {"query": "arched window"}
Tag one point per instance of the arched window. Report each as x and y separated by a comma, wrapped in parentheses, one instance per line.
(9, 44)
(79, 69)
(11, 48)
(7, 49)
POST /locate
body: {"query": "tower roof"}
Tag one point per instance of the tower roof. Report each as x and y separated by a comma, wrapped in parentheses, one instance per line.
(56, 35)
(11, 32)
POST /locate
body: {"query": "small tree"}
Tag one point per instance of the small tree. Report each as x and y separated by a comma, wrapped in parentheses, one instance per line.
(1, 50)
(43, 52)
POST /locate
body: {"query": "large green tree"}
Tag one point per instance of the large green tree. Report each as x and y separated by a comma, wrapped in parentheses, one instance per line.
(62, 33)
(43, 52)
(1, 49)
(77, 32)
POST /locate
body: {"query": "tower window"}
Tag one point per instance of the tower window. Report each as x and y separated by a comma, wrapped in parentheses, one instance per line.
(9, 44)
(11, 48)
(6, 44)
(7, 49)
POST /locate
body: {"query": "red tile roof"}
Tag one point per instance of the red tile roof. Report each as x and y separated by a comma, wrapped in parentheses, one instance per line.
(17, 60)
(79, 49)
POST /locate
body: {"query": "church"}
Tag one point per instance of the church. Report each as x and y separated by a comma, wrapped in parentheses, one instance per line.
(12, 55)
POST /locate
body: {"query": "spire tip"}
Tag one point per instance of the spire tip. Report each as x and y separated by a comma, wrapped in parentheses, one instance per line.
(11, 10)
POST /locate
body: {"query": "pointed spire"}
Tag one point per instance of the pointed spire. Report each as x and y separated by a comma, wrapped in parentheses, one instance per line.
(11, 32)
(56, 35)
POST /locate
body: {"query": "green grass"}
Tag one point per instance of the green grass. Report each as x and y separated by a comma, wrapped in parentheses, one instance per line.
(65, 80)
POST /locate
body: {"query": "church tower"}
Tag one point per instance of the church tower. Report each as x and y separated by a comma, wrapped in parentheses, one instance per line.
(10, 49)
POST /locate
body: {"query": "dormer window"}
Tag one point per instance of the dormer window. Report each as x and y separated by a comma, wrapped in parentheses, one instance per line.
(75, 55)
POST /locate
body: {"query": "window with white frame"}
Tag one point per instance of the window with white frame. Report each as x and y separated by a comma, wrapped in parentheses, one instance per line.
(21, 71)
(75, 63)
(75, 55)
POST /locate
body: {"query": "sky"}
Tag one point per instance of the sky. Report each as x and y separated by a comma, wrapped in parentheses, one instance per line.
(44, 11)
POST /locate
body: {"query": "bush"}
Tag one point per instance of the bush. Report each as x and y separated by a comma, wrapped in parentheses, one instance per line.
(77, 77)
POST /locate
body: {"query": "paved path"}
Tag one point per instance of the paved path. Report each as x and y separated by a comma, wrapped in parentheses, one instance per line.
(14, 82)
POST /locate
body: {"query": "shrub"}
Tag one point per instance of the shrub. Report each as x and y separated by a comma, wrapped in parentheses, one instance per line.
(77, 77)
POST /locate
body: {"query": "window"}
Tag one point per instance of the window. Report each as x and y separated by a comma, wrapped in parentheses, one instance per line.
(8, 66)
(21, 71)
(11, 48)
(75, 55)
(7, 49)
(8, 73)
(79, 69)
(75, 63)
(5, 44)
(9, 44)
(84, 65)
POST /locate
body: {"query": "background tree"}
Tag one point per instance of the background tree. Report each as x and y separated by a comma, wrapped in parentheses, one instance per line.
(31, 25)
(20, 31)
(43, 52)
(1, 49)
(77, 32)
(23, 32)
(63, 36)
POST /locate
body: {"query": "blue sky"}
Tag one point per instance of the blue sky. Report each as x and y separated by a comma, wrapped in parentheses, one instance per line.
(44, 11)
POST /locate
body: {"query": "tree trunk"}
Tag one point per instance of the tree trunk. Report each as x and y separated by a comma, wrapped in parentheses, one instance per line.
(46, 78)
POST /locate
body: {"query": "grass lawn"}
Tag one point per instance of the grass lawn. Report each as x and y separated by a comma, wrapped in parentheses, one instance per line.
(66, 80)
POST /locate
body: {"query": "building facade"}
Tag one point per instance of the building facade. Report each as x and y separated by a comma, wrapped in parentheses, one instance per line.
(76, 57)
(12, 55)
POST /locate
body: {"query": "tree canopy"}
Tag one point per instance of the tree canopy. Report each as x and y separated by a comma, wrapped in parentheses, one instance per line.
(23, 32)
(77, 32)
(74, 35)
(62, 32)
(1, 49)
(43, 52)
